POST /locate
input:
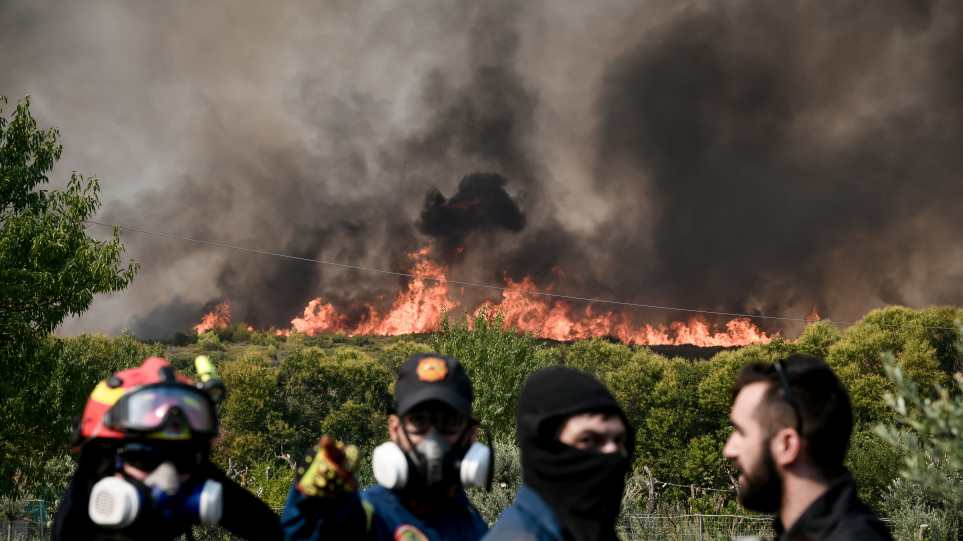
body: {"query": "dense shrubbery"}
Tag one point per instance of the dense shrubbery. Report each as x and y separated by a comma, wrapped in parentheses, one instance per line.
(678, 408)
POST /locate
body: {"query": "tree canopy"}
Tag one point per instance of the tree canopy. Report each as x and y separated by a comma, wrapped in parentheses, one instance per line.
(49, 269)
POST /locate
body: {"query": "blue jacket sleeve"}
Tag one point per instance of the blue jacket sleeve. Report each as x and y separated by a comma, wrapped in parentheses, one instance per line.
(314, 519)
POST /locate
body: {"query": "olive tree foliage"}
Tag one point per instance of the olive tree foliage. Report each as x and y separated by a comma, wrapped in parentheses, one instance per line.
(929, 431)
(274, 411)
(12, 508)
(49, 270)
(344, 394)
(252, 416)
(911, 508)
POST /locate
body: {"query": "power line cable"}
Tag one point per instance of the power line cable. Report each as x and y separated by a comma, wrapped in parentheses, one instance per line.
(500, 288)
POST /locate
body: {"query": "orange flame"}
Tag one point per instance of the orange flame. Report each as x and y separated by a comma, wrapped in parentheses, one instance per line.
(218, 320)
(420, 309)
(813, 317)
(560, 321)
(417, 310)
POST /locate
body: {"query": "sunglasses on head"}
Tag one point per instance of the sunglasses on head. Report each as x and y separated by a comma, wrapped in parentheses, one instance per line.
(787, 392)
(445, 422)
(147, 457)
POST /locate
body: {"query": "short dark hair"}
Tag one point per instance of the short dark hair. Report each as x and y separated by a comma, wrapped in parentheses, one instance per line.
(822, 402)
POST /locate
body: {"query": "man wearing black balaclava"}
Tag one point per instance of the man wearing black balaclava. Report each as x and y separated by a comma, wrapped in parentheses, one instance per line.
(576, 449)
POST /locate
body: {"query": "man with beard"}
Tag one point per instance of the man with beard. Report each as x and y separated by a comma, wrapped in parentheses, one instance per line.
(421, 472)
(575, 447)
(792, 421)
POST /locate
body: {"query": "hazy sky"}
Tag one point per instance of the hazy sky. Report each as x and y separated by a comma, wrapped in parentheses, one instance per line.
(736, 155)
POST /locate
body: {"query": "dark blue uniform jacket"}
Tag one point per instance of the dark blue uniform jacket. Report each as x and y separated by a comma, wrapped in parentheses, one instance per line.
(379, 513)
(530, 519)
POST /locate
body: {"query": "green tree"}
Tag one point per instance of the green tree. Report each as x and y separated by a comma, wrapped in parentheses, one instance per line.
(598, 356)
(497, 360)
(252, 416)
(395, 355)
(345, 393)
(49, 269)
(929, 433)
(210, 341)
(12, 508)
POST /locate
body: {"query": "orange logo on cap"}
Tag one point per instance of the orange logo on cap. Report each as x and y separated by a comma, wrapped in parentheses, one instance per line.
(407, 532)
(432, 369)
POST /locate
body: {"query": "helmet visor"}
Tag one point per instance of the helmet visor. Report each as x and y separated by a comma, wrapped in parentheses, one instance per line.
(150, 408)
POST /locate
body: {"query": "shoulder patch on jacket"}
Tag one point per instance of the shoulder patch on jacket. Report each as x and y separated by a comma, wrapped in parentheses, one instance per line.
(407, 532)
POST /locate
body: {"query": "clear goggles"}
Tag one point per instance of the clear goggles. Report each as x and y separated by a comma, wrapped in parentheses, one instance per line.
(151, 407)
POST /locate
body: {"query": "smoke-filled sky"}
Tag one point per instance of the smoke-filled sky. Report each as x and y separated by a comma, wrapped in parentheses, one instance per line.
(736, 155)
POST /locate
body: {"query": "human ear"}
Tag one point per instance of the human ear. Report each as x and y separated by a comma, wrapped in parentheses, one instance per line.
(394, 428)
(785, 447)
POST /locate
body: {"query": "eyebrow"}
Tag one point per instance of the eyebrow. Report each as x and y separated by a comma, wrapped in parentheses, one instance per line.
(597, 432)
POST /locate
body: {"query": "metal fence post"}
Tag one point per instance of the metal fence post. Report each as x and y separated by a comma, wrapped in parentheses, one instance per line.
(702, 529)
(651, 505)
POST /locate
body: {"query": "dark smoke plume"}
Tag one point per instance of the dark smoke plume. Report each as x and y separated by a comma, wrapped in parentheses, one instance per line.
(789, 153)
(481, 203)
(732, 155)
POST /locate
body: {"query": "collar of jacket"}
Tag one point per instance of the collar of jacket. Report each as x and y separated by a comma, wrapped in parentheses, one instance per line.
(824, 515)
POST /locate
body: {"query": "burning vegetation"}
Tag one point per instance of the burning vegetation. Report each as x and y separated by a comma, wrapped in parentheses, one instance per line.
(483, 210)
(419, 308)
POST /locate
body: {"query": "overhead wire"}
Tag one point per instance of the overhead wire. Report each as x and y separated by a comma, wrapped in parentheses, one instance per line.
(506, 289)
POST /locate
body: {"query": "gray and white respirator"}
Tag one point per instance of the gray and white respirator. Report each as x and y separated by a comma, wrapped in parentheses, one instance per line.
(434, 461)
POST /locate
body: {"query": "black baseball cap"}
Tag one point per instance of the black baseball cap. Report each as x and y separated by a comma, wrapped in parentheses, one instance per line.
(431, 376)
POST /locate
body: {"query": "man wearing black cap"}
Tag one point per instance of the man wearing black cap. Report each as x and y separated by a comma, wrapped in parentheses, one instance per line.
(421, 472)
(575, 446)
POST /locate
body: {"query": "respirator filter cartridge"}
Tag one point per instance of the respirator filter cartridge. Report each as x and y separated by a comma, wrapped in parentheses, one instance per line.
(114, 503)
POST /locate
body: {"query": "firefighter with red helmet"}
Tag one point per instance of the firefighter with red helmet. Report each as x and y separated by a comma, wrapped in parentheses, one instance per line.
(144, 472)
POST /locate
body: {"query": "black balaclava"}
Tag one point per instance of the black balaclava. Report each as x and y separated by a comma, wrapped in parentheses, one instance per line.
(584, 488)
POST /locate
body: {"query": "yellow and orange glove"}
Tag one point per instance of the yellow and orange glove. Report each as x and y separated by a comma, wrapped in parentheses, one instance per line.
(327, 470)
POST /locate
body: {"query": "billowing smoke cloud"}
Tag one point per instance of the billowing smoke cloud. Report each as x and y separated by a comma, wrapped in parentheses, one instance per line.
(795, 153)
(481, 203)
(742, 156)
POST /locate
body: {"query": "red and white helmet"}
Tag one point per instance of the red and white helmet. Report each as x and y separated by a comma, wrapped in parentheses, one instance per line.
(149, 401)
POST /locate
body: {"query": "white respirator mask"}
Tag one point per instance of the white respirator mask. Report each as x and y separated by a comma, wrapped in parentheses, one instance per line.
(394, 469)
(116, 503)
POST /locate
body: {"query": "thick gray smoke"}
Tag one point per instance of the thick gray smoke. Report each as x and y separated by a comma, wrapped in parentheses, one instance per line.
(743, 156)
